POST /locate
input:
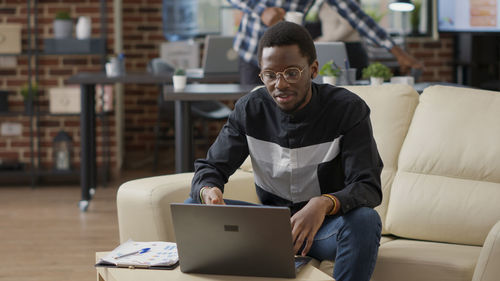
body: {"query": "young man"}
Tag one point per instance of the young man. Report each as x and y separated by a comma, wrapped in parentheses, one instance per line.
(312, 150)
(258, 15)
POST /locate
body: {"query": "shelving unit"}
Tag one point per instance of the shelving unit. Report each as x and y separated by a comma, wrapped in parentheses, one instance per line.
(33, 52)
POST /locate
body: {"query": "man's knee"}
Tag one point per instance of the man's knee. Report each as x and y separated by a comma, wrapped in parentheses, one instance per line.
(364, 217)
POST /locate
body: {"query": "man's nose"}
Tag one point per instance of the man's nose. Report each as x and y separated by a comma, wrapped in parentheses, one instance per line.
(281, 82)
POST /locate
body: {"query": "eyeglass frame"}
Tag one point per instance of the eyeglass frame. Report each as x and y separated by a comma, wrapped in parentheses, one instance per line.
(283, 74)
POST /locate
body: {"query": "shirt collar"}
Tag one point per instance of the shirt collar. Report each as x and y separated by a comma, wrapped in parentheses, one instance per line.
(309, 109)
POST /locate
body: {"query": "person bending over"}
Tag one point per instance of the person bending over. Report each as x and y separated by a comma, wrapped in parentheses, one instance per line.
(258, 15)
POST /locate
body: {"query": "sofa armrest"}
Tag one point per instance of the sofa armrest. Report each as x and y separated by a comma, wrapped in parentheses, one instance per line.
(143, 205)
(487, 267)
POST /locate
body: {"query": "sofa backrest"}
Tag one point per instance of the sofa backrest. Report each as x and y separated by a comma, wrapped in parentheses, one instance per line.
(447, 187)
(392, 108)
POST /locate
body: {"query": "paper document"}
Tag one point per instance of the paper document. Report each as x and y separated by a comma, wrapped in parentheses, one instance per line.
(142, 254)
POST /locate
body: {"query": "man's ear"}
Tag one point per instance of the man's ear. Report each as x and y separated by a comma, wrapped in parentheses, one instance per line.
(313, 69)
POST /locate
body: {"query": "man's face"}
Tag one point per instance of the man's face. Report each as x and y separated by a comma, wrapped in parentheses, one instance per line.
(289, 96)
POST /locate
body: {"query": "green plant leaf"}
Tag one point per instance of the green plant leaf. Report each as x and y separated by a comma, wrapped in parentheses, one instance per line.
(377, 69)
(330, 69)
(63, 15)
(25, 90)
(180, 71)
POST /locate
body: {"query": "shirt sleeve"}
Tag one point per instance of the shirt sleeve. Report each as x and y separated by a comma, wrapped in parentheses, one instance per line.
(226, 155)
(363, 23)
(255, 7)
(361, 161)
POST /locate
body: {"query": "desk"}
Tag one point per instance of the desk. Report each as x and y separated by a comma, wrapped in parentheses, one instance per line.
(183, 124)
(88, 172)
(308, 272)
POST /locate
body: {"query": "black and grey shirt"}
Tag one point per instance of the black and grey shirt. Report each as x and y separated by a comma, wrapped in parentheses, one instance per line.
(326, 147)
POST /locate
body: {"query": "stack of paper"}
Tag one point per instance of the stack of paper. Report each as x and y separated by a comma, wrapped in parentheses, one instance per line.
(142, 254)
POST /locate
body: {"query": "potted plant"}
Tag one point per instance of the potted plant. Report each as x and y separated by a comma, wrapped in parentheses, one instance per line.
(330, 72)
(63, 25)
(28, 98)
(415, 17)
(179, 79)
(377, 73)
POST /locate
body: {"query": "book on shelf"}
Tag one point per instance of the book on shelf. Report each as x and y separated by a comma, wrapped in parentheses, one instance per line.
(152, 255)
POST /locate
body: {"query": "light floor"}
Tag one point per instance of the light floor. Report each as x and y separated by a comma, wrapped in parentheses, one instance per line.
(44, 236)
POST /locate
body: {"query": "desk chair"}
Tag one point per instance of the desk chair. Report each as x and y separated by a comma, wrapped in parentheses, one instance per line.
(205, 110)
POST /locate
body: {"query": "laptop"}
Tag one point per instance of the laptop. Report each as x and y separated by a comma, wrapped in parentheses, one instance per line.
(235, 240)
(326, 51)
(219, 57)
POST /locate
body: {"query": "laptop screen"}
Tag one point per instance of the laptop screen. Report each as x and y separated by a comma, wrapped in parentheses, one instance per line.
(219, 55)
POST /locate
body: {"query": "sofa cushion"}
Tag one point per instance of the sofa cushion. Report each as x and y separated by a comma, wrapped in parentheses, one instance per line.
(392, 108)
(247, 165)
(448, 181)
(144, 205)
(420, 260)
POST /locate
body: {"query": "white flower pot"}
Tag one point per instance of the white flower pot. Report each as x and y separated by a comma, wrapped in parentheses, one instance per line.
(376, 81)
(332, 80)
(179, 82)
(114, 67)
(83, 28)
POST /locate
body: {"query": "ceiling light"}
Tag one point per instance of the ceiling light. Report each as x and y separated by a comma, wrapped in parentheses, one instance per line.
(402, 6)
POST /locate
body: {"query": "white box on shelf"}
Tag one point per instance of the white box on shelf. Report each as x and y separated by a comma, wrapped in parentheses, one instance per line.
(64, 100)
(11, 129)
(183, 54)
(10, 38)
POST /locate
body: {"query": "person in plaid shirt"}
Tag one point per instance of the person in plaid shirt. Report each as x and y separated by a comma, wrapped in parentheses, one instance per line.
(260, 14)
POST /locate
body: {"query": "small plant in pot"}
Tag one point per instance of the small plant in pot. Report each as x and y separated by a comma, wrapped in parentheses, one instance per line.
(63, 25)
(29, 97)
(377, 73)
(179, 79)
(330, 72)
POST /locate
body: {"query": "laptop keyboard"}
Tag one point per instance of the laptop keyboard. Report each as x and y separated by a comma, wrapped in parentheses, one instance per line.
(301, 261)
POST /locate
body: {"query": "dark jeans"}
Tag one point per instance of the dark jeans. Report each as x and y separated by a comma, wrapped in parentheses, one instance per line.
(352, 240)
(249, 73)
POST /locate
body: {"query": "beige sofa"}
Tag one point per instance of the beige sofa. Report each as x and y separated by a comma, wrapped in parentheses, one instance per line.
(441, 184)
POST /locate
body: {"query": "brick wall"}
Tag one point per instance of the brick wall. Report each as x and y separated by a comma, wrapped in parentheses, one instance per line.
(437, 57)
(53, 70)
(142, 31)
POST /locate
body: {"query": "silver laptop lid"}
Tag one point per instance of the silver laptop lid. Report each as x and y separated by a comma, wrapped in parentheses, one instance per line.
(219, 55)
(234, 240)
(327, 51)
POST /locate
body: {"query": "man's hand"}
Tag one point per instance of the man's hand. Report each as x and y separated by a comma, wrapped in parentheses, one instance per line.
(307, 221)
(272, 15)
(212, 196)
(406, 62)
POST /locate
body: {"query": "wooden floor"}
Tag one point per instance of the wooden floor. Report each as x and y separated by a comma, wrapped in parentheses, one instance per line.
(44, 236)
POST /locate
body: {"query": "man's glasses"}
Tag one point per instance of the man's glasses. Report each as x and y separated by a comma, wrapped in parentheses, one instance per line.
(291, 75)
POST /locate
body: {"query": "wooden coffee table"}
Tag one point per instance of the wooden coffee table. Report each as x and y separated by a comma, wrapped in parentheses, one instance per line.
(308, 272)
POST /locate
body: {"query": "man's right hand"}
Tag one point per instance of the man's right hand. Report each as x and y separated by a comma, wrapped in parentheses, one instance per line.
(212, 196)
(272, 15)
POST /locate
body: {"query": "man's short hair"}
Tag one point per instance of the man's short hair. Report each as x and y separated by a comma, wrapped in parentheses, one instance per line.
(286, 33)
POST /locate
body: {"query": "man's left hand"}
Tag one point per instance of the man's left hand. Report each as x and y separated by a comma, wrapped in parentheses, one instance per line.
(307, 221)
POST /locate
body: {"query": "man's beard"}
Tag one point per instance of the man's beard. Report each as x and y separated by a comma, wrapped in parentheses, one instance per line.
(301, 102)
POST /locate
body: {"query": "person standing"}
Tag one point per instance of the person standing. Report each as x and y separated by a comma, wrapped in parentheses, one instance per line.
(258, 15)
